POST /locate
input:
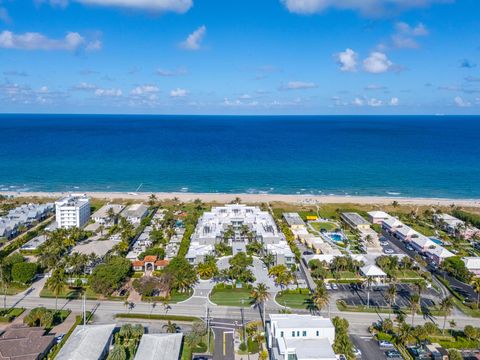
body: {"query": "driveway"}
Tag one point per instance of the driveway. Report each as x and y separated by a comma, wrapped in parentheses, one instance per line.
(368, 346)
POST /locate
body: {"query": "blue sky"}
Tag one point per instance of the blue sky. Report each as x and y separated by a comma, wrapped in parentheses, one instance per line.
(240, 56)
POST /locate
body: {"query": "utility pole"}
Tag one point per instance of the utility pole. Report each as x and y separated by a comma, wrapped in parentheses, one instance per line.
(84, 310)
(207, 320)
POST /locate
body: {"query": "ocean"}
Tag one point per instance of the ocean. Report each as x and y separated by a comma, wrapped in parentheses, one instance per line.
(418, 156)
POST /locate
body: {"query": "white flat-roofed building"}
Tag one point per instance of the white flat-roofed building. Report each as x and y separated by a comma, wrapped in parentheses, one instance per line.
(454, 226)
(300, 337)
(354, 220)
(101, 216)
(197, 252)
(213, 224)
(87, 342)
(294, 220)
(72, 211)
(35, 243)
(135, 213)
(282, 253)
(376, 217)
(472, 263)
(391, 224)
(405, 233)
(159, 347)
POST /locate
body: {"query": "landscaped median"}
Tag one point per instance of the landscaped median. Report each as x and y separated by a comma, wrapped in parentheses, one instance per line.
(343, 306)
(10, 314)
(296, 299)
(173, 298)
(227, 295)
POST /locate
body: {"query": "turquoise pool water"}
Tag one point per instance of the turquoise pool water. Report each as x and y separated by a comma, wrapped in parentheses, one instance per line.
(336, 237)
(437, 241)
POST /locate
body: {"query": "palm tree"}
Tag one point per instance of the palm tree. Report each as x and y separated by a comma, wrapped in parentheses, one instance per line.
(404, 334)
(117, 353)
(152, 199)
(320, 297)
(56, 282)
(414, 305)
(4, 280)
(446, 306)
(170, 327)
(391, 296)
(421, 285)
(268, 260)
(260, 295)
(476, 287)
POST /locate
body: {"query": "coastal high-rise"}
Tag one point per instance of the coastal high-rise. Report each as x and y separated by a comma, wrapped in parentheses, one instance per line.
(72, 211)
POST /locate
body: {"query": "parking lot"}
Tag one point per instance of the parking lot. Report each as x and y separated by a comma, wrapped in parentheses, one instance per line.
(355, 295)
(369, 347)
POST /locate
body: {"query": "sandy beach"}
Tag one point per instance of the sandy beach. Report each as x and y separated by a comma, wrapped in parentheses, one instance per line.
(259, 198)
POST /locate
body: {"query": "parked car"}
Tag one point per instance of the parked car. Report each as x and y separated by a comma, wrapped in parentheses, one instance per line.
(59, 338)
(409, 247)
(385, 344)
(393, 354)
(342, 357)
(383, 243)
(388, 251)
(334, 286)
(327, 286)
(356, 352)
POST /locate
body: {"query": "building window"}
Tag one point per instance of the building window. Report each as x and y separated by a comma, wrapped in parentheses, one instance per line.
(304, 333)
(281, 333)
(298, 333)
(318, 333)
(293, 333)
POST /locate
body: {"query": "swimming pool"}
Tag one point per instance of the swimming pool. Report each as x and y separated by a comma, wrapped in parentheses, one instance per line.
(436, 241)
(336, 237)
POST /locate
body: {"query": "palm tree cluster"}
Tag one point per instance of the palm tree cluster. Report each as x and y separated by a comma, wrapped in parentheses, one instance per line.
(282, 275)
(260, 296)
(58, 243)
(126, 341)
(208, 268)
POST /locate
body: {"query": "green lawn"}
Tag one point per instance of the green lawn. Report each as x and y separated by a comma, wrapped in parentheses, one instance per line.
(341, 275)
(68, 293)
(15, 288)
(293, 299)
(10, 314)
(231, 297)
(174, 298)
(329, 226)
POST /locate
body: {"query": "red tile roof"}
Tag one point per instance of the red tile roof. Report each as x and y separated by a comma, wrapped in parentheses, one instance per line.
(150, 258)
(162, 262)
(138, 263)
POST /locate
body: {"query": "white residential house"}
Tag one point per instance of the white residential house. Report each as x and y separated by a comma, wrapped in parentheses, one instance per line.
(373, 272)
(300, 337)
(135, 213)
(438, 254)
(101, 215)
(72, 211)
(472, 264)
(377, 217)
(454, 226)
(197, 252)
(282, 253)
(422, 243)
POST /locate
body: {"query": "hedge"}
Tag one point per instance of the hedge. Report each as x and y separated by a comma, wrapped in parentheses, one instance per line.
(157, 317)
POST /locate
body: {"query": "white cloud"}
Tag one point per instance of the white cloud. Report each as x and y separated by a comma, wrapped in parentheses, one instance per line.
(377, 63)
(347, 60)
(371, 8)
(108, 92)
(374, 102)
(373, 87)
(405, 35)
(168, 73)
(35, 41)
(178, 92)
(178, 6)
(144, 89)
(298, 85)
(193, 41)
(357, 102)
(394, 101)
(461, 103)
(84, 86)
(245, 96)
